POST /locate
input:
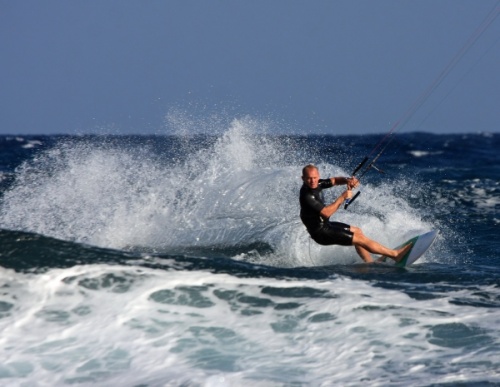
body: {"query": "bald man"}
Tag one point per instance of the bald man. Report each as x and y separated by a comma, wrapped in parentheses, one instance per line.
(315, 215)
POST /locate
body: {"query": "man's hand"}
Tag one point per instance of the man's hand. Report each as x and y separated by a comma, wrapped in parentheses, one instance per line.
(352, 183)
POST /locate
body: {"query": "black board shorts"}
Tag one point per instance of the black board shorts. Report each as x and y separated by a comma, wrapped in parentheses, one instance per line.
(333, 233)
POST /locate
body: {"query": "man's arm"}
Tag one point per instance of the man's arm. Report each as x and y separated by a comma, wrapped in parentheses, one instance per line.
(330, 209)
(351, 182)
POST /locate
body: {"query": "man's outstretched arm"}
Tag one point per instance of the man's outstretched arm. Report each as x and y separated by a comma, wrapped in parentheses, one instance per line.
(351, 182)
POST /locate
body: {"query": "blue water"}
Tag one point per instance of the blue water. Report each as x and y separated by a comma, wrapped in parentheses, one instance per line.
(181, 260)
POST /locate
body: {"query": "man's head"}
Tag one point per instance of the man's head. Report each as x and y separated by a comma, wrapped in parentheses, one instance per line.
(310, 176)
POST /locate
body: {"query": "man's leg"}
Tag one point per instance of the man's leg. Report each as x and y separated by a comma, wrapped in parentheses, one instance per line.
(360, 240)
(364, 254)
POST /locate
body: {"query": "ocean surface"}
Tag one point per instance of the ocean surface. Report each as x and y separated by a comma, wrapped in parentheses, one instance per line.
(181, 261)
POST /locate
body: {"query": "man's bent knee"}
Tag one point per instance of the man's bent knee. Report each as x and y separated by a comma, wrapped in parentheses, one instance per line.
(356, 230)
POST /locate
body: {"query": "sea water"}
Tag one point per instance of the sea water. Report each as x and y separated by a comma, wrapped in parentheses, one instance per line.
(180, 260)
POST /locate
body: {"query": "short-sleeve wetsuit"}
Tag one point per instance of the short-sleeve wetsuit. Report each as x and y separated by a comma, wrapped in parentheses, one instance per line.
(322, 231)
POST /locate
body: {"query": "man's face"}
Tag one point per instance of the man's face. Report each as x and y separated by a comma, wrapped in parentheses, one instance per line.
(311, 178)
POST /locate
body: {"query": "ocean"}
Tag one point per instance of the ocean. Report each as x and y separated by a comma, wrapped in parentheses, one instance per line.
(180, 260)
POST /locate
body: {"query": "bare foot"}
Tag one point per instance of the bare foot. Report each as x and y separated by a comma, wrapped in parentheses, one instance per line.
(402, 252)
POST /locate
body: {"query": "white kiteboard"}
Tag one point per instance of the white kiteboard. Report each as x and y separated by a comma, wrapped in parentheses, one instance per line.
(420, 244)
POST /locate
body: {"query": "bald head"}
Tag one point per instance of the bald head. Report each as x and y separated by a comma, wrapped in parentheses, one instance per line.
(310, 176)
(308, 168)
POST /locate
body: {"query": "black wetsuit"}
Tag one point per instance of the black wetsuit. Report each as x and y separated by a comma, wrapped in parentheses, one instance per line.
(321, 230)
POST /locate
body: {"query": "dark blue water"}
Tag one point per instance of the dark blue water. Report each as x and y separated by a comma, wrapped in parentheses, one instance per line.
(217, 218)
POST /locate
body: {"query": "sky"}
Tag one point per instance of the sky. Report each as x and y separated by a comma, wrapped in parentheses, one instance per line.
(305, 66)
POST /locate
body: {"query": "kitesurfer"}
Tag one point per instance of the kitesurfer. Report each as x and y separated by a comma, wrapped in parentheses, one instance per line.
(315, 215)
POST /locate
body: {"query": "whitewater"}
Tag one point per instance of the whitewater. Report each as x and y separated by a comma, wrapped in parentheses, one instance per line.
(181, 260)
